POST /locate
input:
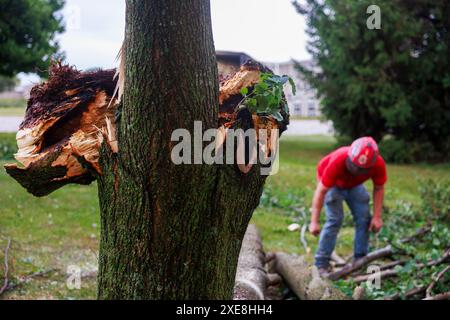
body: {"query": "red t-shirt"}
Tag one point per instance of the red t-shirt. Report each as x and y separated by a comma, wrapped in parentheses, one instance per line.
(332, 171)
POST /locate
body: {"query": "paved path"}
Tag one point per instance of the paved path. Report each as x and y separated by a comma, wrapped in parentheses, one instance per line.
(309, 127)
(296, 128)
(10, 124)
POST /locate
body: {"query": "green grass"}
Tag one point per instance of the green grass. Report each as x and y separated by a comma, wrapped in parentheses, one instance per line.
(12, 107)
(13, 103)
(63, 228)
(12, 112)
(307, 118)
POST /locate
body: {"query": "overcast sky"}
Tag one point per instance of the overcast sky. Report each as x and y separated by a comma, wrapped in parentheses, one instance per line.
(268, 30)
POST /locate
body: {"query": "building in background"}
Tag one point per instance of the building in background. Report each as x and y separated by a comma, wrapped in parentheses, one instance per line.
(305, 103)
(229, 62)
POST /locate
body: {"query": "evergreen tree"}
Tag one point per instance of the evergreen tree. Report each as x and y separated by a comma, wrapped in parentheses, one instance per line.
(27, 34)
(390, 81)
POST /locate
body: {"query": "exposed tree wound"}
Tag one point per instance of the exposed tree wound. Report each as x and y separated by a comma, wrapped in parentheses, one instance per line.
(69, 116)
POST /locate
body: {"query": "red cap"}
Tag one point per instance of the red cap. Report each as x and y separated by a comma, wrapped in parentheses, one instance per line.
(363, 152)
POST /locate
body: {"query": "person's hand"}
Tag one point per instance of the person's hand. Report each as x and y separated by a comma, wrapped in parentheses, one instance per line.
(375, 224)
(314, 228)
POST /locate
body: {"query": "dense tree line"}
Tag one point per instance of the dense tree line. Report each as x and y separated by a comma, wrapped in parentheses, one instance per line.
(27, 35)
(392, 83)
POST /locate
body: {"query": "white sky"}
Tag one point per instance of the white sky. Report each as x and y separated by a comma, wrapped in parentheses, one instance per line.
(267, 30)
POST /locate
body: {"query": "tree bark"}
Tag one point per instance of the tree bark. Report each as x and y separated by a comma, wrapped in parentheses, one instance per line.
(168, 231)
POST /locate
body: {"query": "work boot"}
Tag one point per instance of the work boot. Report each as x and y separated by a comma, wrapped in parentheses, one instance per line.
(324, 271)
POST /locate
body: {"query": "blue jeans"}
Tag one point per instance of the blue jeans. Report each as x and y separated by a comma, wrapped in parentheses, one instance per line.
(357, 199)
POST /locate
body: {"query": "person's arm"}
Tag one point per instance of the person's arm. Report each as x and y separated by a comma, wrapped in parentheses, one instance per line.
(319, 196)
(378, 196)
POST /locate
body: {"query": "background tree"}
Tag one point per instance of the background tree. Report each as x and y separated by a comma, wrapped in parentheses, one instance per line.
(27, 35)
(392, 81)
(7, 83)
(169, 231)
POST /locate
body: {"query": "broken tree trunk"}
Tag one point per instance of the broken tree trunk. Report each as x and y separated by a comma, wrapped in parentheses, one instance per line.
(251, 277)
(69, 116)
(304, 280)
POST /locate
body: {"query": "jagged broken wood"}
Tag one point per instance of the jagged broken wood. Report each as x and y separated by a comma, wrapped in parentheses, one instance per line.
(251, 277)
(66, 120)
(69, 116)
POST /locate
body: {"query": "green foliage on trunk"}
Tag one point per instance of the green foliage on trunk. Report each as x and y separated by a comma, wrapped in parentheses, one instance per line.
(394, 80)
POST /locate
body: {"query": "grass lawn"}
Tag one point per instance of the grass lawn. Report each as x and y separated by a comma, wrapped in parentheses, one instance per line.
(52, 233)
(12, 112)
(12, 107)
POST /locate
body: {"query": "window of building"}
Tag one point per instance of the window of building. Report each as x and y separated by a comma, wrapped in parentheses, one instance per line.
(311, 110)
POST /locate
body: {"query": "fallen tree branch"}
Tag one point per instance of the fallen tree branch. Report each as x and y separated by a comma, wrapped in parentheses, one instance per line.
(5, 282)
(339, 261)
(422, 231)
(302, 238)
(25, 279)
(352, 267)
(383, 275)
(436, 280)
(442, 259)
(408, 294)
(441, 296)
(389, 273)
(392, 264)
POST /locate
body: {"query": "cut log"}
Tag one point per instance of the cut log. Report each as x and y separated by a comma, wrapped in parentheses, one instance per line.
(304, 280)
(251, 277)
(69, 116)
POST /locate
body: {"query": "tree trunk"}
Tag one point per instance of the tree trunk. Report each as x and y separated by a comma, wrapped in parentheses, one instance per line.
(169, 231)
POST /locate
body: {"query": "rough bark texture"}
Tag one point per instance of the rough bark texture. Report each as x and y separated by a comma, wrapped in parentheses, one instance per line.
(169, 232)
(251, 277)
(304, 280)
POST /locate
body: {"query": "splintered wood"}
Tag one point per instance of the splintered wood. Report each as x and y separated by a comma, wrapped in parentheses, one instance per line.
(59, 139)
(69, 116)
